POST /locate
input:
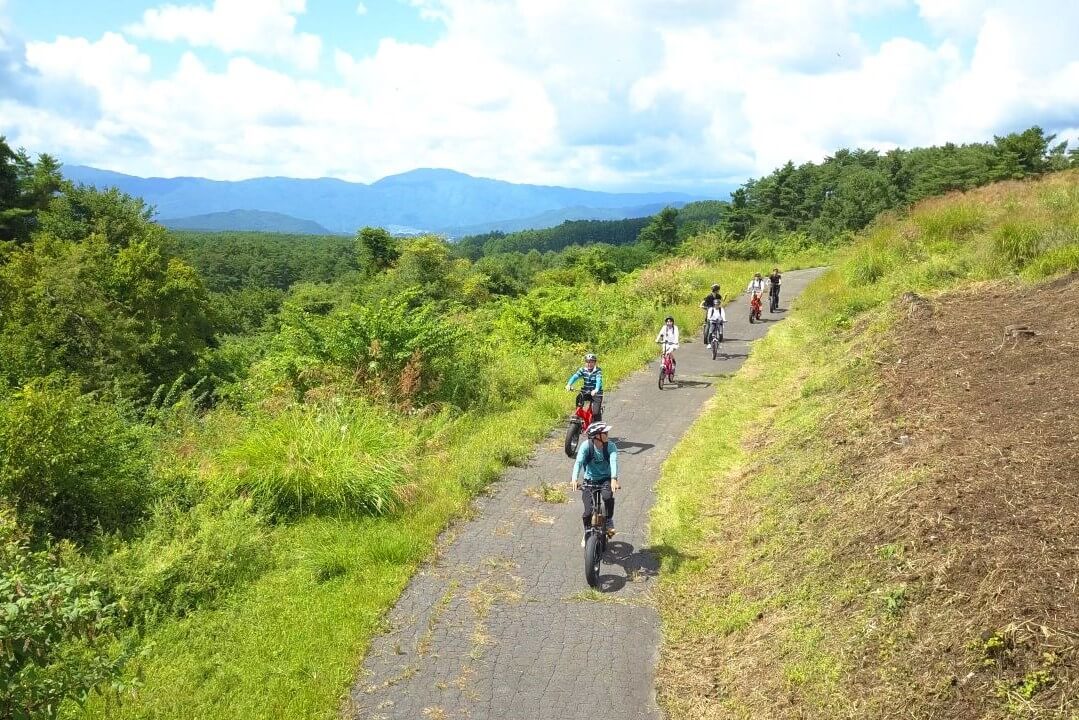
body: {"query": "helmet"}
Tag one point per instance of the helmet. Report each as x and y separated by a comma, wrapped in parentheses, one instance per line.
(668, 318)
(756, 274)
(590, 356)
(715, 287)
(596, 428)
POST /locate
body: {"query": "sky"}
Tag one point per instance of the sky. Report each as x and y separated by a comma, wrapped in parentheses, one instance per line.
(620, 95)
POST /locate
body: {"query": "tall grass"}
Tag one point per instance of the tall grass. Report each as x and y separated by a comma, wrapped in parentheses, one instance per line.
(327, 458)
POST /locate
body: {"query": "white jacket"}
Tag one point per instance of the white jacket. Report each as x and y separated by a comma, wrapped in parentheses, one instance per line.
(756, 285)
(717, 313)
(668, 336)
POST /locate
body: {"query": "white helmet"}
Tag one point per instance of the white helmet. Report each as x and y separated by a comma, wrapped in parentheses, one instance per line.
(596, 428)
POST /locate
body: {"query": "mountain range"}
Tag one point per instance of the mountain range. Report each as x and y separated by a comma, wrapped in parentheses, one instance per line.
(423, 200)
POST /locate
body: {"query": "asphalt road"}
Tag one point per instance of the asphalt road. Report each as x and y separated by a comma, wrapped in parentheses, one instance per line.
(500, 624)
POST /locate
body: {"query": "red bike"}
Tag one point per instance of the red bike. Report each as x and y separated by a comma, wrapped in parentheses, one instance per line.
(667, 365)
(578, 423)
(754, 308)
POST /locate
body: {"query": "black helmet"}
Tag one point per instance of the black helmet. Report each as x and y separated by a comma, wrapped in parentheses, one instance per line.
(715, 287)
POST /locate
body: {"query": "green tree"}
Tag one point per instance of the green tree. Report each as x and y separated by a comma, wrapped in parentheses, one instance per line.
(96, 294)
(26, 188)
(377, 249)
(661, 233)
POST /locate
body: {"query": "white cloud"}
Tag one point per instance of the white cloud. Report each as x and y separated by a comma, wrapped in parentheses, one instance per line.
(361, 9)
(265, 27)
(589, 93)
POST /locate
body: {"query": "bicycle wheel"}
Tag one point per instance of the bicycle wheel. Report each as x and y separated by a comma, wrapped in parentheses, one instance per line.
(592, 559)
(715, 346)
(662, 375)
(573, 437)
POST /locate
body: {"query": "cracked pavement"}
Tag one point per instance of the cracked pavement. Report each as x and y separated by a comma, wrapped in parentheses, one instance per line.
(500, 622)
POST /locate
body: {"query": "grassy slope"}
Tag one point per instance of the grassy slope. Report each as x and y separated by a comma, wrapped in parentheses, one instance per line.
(764, 604)
(289, 644)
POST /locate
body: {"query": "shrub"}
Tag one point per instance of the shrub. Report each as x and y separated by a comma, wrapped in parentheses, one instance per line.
(71, 464)
(57, 630)
(189, 557)
(315, 460)
(392, 348)
(667, 283)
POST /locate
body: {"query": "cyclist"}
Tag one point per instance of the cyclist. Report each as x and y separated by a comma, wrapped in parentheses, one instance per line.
(711, 299)
(599, 460)
(715, 319)
(669, 334)
(774, 281)
(592, 387)
(755, 287)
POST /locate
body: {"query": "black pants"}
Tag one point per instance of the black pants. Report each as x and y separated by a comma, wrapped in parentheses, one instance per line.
(775, 294)
(597, 404)
(608, 503)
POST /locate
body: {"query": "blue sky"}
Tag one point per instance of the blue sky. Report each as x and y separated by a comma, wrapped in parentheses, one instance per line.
(616, 95)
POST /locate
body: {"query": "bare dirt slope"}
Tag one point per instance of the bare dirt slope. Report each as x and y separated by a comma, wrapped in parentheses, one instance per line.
(983, 388)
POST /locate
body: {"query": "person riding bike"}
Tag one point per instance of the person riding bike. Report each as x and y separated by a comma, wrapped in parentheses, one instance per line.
(599, 459)
(711, 299)
(715, 319)
(756, 285)
(773, 284)
(669, 334)
(592, 388)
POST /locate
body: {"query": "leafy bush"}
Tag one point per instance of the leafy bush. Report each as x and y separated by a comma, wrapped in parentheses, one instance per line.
(189, 557)
(57, 630)
(69, 463)
(548, 314)
(389, 349)
(667, 283)
(347, 459)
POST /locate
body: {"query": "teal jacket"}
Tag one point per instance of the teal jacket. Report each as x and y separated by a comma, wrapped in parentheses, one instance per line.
(596, 469)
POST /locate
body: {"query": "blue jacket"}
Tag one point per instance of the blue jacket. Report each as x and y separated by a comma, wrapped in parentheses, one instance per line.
(596, 469)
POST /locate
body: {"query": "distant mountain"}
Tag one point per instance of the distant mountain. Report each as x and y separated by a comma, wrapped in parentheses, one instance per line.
(557, 217)
(426, 199)
(259, 220)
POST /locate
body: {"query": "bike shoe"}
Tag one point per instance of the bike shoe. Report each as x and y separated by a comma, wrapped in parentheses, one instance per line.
(582, 540)
(610, 532)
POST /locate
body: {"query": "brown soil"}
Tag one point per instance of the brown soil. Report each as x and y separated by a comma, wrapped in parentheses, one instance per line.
(981, 393)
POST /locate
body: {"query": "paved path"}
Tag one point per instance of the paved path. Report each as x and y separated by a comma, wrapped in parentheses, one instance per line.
(499, 626)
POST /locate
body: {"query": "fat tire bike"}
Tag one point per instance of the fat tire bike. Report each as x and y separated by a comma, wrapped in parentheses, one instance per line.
(580, 420)
(595, 537)
(715, 337)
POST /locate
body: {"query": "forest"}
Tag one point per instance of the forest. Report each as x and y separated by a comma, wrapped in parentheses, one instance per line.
(182, 413)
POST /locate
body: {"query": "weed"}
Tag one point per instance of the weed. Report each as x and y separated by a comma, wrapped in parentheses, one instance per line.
(548, 493)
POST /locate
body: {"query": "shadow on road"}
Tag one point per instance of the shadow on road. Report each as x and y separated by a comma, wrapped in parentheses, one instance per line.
(640, 564)
(632, 448)
(692, 383)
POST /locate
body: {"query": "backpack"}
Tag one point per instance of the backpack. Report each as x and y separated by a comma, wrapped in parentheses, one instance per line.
(591, 456)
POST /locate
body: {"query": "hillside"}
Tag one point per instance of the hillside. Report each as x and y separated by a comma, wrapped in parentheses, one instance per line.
(425, 199)
(251, 220)
(886, 527)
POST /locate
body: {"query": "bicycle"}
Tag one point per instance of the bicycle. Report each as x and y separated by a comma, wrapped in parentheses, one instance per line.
(754, 308)
(666, 367)
(580, 420)
(715, 337)
(595, 537)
